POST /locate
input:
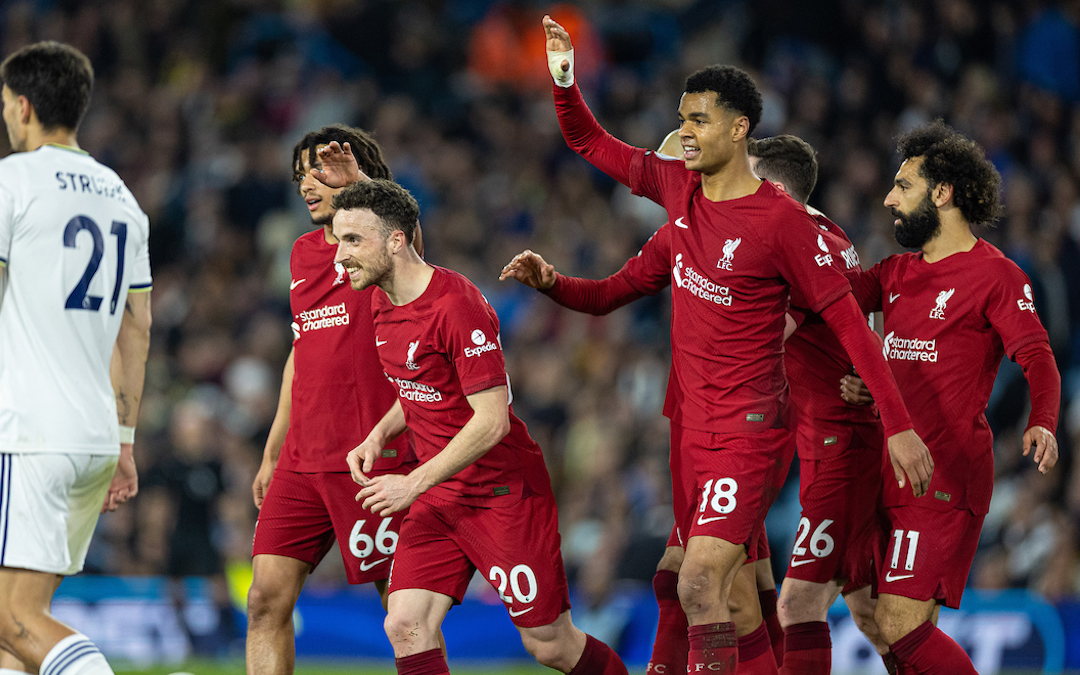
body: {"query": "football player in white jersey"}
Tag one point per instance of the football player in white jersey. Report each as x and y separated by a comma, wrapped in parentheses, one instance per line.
(74, 335)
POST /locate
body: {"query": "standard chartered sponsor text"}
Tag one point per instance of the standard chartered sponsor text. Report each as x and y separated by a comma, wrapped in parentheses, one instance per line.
(416, 391)
(911, 349)
(324, 317)
(705, 288)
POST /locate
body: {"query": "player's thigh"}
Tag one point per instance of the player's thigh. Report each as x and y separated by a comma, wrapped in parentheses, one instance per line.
(367, 541)
(50, 506)
(516, 548)
(710, 565)
(896, 616)
(276, 583)
(294, 521)
(912, 564)
(429, 556)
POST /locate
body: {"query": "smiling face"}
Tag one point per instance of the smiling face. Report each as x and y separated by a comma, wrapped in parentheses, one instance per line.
(706, 132)
(363, 248)
(917, 218)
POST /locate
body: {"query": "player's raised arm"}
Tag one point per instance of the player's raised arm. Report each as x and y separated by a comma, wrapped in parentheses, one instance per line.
(338, 166)
(132, 347)
(489, 424)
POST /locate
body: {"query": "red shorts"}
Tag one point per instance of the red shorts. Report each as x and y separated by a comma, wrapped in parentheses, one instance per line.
(760, 552)
(515, 547)
(929, 553)
(724, 484)
(839, 530)
(304, 512)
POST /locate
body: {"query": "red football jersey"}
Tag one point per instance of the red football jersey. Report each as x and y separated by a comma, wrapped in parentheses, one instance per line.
(339, 391)
(947, 325)
(437, 350)
(815, 362)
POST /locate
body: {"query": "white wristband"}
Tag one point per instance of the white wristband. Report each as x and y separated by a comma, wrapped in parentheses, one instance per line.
(563, 78)
(127, 434)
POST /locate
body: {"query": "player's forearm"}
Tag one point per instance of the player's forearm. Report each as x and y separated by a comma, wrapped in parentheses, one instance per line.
(586, 137)
(132, 348)
(280, 426)
(389, 427)
(489, 424)
(1044, 381)
(849, 324)
(592, 296)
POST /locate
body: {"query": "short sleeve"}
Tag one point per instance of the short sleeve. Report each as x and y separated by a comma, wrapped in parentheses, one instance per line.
(471, 339)
(141, 279)
(7, 224)
(1010, 308)
(803, 258)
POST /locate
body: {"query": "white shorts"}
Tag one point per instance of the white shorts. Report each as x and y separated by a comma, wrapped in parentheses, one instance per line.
(49, 506)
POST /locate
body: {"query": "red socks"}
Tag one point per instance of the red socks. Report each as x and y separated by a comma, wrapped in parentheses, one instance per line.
(671, 646)
(598, 659)
(772, 622)
(755, 653)
(807, 649)
(713, 649)
(931, 652)
(431, 662)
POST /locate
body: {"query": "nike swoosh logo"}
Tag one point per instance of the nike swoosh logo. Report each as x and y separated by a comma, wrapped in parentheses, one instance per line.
(365, 565)
(380, 343)
(296, 282)
(893, 297)
(517, 614)
(702, 520)
(680, 223)
(890, 578)
(796, 563)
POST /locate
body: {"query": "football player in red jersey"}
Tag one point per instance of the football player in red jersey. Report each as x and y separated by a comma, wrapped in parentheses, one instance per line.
(832, 440)
(738, 246)
(303, 489)
(952, 309)
(481, 497)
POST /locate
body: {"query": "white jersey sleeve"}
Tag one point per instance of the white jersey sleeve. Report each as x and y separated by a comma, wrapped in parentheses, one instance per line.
(76, 243)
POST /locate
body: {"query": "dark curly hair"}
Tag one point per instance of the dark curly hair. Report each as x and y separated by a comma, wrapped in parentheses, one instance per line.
(950, 157)
(395, 207)
(57, 80)
(735, 90)
(368, 154)
(789, 160)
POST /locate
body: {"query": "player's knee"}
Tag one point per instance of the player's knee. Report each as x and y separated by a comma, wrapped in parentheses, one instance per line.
(550, 647)
(403, 627)
(698, 586)
(267, 603)
(864, 620)
(890, 624)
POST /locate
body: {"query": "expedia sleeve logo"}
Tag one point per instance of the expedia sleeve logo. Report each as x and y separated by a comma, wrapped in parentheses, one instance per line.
(1029, 304)
(482, 344)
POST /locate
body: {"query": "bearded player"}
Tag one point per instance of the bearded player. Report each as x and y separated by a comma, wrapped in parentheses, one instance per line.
(303, 489)
(952, 309)
(731, 435)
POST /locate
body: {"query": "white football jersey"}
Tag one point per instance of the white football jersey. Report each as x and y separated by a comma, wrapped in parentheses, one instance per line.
(74, 243)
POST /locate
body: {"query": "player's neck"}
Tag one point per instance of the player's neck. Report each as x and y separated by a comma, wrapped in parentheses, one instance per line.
(328, 233)
(37, 137)
(955, 237)
(732, 181)
(411, 278)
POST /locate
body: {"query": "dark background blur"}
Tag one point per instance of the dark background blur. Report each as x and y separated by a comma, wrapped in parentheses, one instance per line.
(198, 104)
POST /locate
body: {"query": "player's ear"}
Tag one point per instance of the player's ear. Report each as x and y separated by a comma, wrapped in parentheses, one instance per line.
(941, 194)
(25, 109)
(740, 128)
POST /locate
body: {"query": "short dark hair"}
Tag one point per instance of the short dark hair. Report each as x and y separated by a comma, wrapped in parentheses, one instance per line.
(368, 154)
(57, 80)
(789, 160)
(950, 157)
(395, 207)
(735, 90)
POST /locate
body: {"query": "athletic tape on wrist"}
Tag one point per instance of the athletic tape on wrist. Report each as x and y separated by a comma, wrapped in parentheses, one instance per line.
(127, 434)
(562, 78)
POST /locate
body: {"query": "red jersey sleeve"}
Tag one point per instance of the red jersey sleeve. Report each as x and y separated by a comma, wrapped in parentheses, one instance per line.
(804, 260)
(470, 336)
(866, 287)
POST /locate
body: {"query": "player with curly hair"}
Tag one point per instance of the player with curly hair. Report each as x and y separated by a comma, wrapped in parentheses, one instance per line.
(952, 310)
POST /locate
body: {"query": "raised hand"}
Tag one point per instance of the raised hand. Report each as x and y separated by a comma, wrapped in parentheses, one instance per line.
(339, 167)
(911, 461)
(560, 52)
(530, 269)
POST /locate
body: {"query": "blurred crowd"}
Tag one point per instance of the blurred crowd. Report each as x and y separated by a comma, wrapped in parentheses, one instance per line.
(199, 102)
